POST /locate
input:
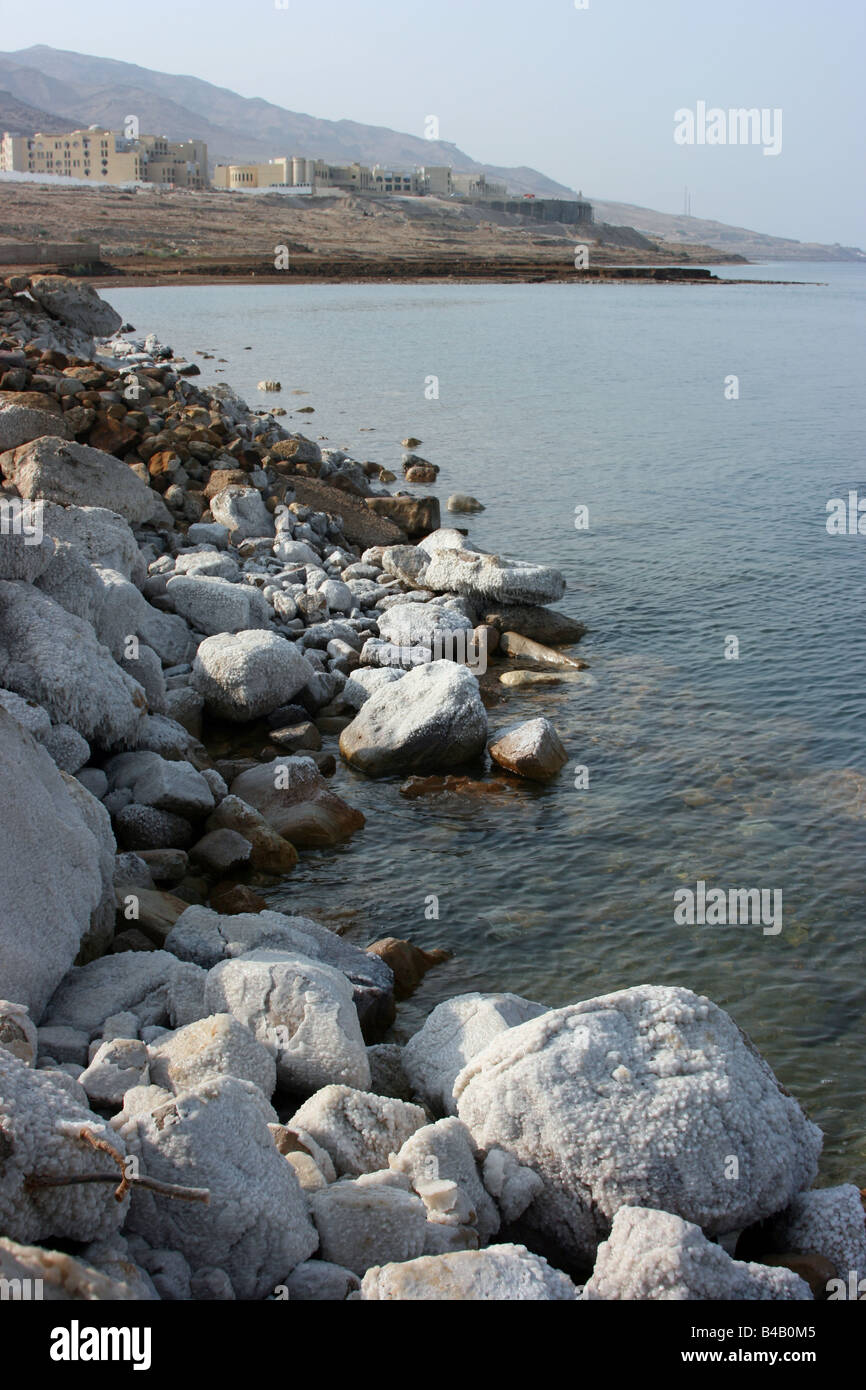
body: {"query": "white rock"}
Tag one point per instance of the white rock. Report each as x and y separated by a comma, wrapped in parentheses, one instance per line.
(18, 1033)
(365, 682)
(318, 1281)
(454, 1032)
(499, 1273)
(361, 1225)
(255, 1227)
(421, 624)
(41, 1116)
(639, 1098)
(359, 1130)
(75, 302)
(50, 656)
(217, 606)
(49, 840)
(66, 1279)
(166, 785)
(243, 512)
(117, 1066)
(58, 470)
(215, 1046)
(154, 985)
(435, 721)
(829, 1220)
(298, 1008)
(442, 1154)
(512, 1186)
(652, 1255)
(246, 676)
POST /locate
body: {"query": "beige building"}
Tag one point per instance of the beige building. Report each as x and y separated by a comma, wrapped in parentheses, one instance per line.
(105, 156)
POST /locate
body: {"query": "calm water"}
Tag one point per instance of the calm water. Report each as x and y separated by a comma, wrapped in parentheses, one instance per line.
(707, 519)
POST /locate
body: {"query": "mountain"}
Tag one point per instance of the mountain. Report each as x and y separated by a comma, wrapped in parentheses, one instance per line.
(104, 91)
(77, 89)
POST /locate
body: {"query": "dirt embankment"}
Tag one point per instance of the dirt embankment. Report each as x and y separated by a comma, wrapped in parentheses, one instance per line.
(152, 237)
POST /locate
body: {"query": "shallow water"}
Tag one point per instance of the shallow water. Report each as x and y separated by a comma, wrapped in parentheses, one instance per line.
(707, 520)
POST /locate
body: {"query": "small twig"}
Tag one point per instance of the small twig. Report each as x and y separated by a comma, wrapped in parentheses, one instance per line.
(165, 1189)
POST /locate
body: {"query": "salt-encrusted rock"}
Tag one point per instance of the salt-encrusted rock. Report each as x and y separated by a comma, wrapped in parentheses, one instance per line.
(485, 578)
(359, 1130)
(434, 719)
(499, 1273)
(30, 715)
(829, 1220)
(462, 502)
(455, 1031)
(655, 1256)
(639, 1098)
(50, 656)
(215, 1046)
(57, 470)
(365, 682)
(387, 1077)
(158, 782)
(168, 1270)
(53, 871)
(444, 1153)
(211, 1285)
(18, 1033)
(214, 563)
(295, 552)
(221, 851)
(532, 750)
(319, 1281)
(512, 1186)
(103, 537)
(298, 1008)
(255, 1226)
(41, 1116)
(146, 828)
(206, 937)
(361, 1224)
(68, 749)
(297, 802)
(421, 624)
(63, 1278)
(76, 303)
(248, 675)
(24, 416)
(243, 513)
(117, 1066)
(293, 1143)
(64, 1044)
(215, 606)
(24, 555)
(154, 985)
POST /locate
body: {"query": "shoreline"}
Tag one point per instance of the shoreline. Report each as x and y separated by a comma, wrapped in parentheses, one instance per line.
(269, 600)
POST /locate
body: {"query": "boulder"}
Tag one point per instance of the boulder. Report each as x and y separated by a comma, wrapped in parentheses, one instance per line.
(443, 1153)
(63, 1278)
(53, 657)
(103, 537)
(160, 783)
(52, 870)
(414, 515)
(255, 1227)
(297, 802)
(407, 962)
(462, 502)
(117, 1066)
(247, 675)
(55, 470)
(421, 624)
(206, 937)
(532, 750)
(21, 422)
(454, 1032)
(300, 1009)
(541, 624)
(434, 720)
(319, 1281)
(657, 1257)
(536, 655)
(243, 513)
(212, 605)
(42, 1114)
(76, 303)
(214, 1046)
(487, 579)
(501, 1273)
(158, 988)
(357, 1129)
(362, 1224)
(365, 682)
(638, 1098)
(270, 853)
(829, 1220)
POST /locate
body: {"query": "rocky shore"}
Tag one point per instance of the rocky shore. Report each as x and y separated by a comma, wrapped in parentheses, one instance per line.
(203, 617)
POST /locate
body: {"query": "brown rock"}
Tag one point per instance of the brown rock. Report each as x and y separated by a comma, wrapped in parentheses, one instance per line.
(292, 796)
(361, 526)
(231, 899)
(417, 516)
(420, 473)
(156, 912)
(541, 624)
(436, 785)
(532, 749)
(222, 478)
(534, 654)
(408, 963)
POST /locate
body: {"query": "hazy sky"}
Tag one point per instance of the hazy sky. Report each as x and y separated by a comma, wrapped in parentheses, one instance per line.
(586, 95)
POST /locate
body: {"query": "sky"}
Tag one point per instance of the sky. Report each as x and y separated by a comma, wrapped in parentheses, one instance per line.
(587, 95)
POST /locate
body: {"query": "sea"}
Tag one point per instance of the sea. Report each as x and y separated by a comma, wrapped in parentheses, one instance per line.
(677, 451)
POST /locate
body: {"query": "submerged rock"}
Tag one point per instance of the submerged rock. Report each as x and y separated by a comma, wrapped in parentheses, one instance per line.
(532, 750)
